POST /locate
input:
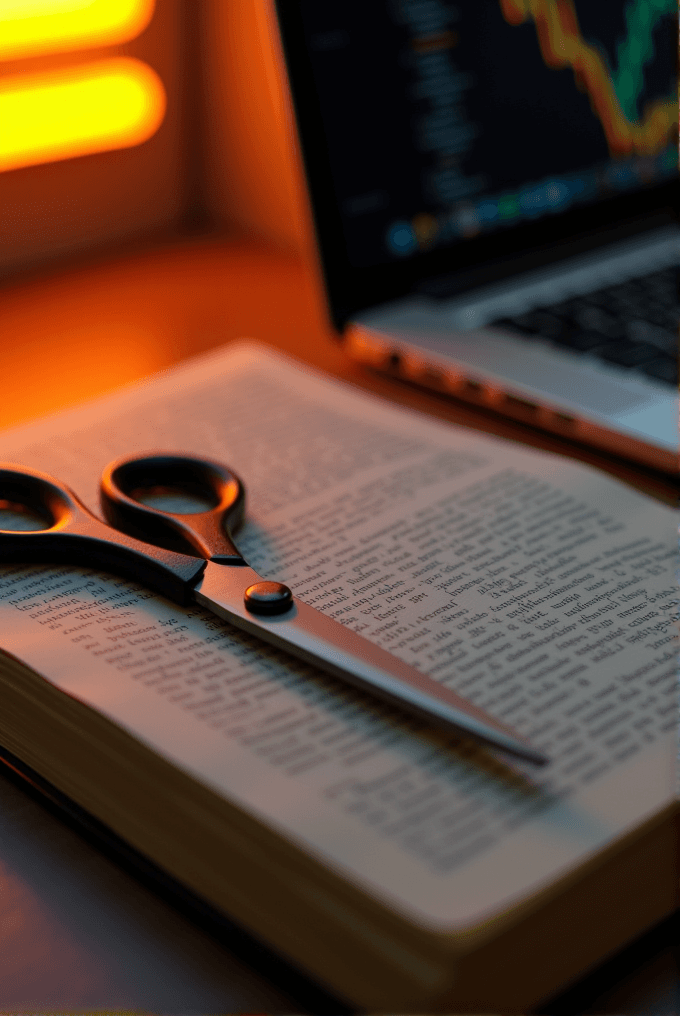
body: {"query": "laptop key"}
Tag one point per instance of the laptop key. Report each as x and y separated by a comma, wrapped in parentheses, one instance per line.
(628, 354)
(536, 322)
(645, 331)
(595, 319)
(665, 319)
(547, 324)
(583, 340)
(662, 369)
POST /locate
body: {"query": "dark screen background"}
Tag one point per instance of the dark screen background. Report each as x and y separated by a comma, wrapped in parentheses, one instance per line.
(436, 113)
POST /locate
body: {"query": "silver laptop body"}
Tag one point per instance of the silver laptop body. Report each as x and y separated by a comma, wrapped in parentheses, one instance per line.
(494, 191)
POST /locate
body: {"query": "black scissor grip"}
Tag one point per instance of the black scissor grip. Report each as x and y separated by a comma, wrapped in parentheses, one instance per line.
(127, 481)
(72, 535)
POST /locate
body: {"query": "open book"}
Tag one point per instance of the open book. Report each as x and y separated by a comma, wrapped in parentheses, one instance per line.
(399, 867)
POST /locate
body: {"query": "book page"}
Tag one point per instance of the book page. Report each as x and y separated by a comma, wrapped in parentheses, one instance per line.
(539, 589)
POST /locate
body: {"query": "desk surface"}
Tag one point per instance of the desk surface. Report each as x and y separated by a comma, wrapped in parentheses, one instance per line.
(76, 931)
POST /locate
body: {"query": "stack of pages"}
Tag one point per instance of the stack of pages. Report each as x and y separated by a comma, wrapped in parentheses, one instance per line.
(399, 867)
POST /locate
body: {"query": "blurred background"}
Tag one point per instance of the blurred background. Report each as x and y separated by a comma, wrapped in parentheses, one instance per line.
(135, 132)
(195, 133)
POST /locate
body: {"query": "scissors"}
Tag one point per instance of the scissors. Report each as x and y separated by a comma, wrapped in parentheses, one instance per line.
(189, 557)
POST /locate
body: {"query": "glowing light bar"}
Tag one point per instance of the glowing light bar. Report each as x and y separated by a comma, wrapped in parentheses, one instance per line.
(90, 108)
(33, 27)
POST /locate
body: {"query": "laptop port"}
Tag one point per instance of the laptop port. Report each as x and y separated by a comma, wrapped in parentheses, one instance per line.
(394, 361)
(474, 387)
(432, 377)
(564, 419)
(524, 405)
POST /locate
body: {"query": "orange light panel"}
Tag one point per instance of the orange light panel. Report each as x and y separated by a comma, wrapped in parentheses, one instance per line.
(94, 107)
(34, 27)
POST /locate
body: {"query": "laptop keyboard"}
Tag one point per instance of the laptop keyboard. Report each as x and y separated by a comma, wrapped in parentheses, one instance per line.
(633, 324)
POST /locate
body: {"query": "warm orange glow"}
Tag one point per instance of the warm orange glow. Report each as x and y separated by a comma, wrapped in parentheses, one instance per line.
(94, 107)
(33, 27)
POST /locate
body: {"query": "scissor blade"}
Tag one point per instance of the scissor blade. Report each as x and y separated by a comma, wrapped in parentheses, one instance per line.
(336, 649)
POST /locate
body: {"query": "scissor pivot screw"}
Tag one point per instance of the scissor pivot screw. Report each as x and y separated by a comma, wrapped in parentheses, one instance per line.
(268, 598)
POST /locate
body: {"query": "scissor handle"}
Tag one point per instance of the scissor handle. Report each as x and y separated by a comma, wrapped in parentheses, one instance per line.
(72, 535)
(206, 534)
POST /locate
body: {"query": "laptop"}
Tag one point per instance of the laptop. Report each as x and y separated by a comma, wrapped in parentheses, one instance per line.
(493, 184)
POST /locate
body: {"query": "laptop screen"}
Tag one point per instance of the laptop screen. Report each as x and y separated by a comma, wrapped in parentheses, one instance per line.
(443, 123)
